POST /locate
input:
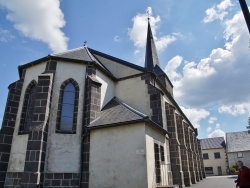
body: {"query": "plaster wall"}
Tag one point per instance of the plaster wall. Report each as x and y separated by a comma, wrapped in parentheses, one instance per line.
(154, 136)
(134, 92)
(117, 69)
(107, 89)
(212, 162)
(233, 158)
(19, 142)
(63, 150)
(118, 157)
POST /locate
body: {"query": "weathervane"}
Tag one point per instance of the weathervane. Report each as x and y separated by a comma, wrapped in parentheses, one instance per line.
(148, 15)
(85, 43)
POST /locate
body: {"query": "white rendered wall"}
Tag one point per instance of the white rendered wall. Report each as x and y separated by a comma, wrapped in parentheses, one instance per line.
(134, 92)
(63, 150)
(153, 136)
(117, 69)
(107, 89)
(116, 157)
(19, 142)
(212, 162)
(233, 158)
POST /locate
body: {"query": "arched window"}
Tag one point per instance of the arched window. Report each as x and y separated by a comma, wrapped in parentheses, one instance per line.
(28, 107)
(68, 107)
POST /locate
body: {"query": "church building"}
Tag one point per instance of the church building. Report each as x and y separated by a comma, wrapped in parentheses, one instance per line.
(85, 119)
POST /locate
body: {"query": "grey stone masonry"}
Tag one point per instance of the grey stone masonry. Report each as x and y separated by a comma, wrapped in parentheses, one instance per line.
(92, 111)
(184, 150)
(175, 152)
(196, 165)
(190, 153)
(191, 132)
(198, 158)
(201, 160)
(156, 101)
(13, 180)
(33, 175)
(7, 130)
(65, 180)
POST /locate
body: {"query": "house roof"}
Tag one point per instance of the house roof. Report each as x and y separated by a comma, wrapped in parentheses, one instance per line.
(238, 141)
(116, 113)
(213, 143)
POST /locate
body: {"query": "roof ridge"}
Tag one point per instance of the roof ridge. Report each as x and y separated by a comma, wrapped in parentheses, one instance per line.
(68, 51)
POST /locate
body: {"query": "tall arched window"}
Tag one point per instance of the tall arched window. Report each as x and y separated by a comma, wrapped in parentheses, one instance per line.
(68, 107)
(28, 107)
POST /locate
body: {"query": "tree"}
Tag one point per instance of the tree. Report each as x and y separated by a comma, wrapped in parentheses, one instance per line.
(248, 127)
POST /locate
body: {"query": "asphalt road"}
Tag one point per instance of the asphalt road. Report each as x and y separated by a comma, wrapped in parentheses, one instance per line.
(216, 182)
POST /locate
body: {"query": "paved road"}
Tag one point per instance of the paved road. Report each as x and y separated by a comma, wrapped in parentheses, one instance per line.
(216, 182)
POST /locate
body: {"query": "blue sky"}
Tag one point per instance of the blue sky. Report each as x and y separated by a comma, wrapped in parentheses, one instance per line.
(203, 48)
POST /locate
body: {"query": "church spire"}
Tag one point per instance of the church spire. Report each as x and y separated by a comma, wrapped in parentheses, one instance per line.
(151, 57)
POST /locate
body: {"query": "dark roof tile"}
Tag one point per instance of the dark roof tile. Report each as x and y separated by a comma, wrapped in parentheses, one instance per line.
(116, 112)
(212, 143)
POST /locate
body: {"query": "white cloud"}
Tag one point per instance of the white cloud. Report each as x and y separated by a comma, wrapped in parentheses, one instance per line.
(171, 67)
(217, 12)
(138, 32)
(5, 35)
(212, 120)
(117, 39)
(195, 115)
(39, 20)
(217, 133)
(209, 129)
(217, 126)
(222, 77)
(234, 110)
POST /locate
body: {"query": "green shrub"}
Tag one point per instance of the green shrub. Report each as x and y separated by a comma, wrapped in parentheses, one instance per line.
(232, 169)
(236, 166)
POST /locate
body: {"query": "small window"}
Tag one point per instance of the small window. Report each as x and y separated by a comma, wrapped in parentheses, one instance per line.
(157, 163)
(28, 108)
(205, 156)
(217, 155)
(240, 155)
(68, 107)
(162, 153)
(209, 170)
(68, 103)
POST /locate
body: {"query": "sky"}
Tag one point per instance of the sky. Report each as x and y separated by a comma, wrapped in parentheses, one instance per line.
(203, 47)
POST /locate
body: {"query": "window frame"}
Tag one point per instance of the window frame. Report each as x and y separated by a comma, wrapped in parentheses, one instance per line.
(23, 129)
(241, 155)
(60, 106)
(215, 155)
(212, 171)
(205, 154)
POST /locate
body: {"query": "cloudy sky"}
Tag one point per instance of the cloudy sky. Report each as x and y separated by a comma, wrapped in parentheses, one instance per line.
(203, 47)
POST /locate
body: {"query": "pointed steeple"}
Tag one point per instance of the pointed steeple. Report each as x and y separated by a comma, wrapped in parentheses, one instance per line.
(151, 57)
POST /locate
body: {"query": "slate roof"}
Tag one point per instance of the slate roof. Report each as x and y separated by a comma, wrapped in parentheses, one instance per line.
(117, 112)
(213, 143)
(238, 141)
(151, 56)
(78, 54)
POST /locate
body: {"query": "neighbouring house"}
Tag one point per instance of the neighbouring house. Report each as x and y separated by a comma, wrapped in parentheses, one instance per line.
(238, 147)
(214, 156)
(85, 119)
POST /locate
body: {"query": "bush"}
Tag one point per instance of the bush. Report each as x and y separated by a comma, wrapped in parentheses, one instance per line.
(236, 166)
(232, 169)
